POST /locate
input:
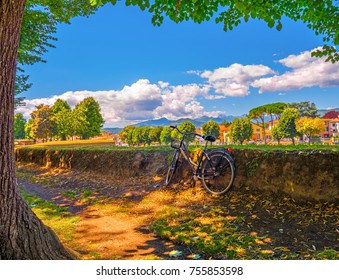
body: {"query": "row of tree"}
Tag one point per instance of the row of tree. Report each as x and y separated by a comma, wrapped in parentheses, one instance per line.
(133, 135)
(85, 120)
(295, 120)
(60, 121)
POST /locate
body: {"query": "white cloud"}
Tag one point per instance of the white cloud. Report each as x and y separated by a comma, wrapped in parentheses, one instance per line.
(307, 71)
(140, 101)
(180, 101)
(236, 79)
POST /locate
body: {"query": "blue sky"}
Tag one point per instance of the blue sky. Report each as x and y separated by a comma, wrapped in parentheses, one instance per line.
(137, 71)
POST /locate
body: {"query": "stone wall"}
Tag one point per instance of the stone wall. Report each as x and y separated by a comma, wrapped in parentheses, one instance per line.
(308, 174)
(302, 174)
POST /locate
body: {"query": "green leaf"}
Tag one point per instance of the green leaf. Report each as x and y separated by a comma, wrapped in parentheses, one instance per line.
(246, 17)
(279, 26)
(270, 23)
(175, 253)
(95, 2)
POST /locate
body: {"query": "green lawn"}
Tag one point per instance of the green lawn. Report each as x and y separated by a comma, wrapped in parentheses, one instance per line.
(106, 145)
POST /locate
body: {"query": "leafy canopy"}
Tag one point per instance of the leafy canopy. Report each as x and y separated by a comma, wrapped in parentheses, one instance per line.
(310, 126)
(306, 109)
(241, 130)
(211, 128)
(19, 126)
(88, 120)
(185, 127)
(38, 30)
(43, 125)
(287, 123)
(166, 135)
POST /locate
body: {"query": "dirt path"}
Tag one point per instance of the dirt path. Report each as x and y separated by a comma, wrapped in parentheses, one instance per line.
(120, 237)
(102, 234)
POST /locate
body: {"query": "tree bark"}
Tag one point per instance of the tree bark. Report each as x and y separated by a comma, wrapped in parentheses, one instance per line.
(22, 234)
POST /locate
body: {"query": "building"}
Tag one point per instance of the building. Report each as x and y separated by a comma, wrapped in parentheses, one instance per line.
(223, 133)
(258, 132)
(268, 129)
(333, 127)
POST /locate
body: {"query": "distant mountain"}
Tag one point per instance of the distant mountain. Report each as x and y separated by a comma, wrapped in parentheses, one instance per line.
(166, 122)
(156, 122)
(113, 130)
(198, 122)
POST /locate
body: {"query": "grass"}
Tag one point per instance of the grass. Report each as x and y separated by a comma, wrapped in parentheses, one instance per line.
(218, 235)
(55, 217)
(108, 145)
(102, 145)
(214, 235)
(34, 179)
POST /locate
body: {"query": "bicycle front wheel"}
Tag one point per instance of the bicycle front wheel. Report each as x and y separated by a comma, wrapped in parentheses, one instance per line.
(172, 167)
(217, 173)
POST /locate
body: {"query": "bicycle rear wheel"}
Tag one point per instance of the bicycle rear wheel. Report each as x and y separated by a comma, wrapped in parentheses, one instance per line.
(217, 173)
(172, 167)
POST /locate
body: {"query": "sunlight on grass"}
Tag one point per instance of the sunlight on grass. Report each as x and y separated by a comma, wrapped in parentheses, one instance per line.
(210, 233)
(55, 217)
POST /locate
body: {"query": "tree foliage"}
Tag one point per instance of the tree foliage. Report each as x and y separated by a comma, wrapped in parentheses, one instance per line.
(274, 110)
(241, 130)
(28, 129)
(287, 123)
(259, 114)
(19, 126)
(125, 134)
(140, 135)
(63, 118)
(211, 128)
(166, 135)
(184, 127)
(137, 135)
(38, 30)
(87, 118)
(278, 133)
(155, 133)
(43, 125)
(310, 126)
(305, 108)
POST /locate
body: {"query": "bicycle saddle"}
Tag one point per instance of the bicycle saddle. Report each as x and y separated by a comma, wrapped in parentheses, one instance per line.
(209, 138)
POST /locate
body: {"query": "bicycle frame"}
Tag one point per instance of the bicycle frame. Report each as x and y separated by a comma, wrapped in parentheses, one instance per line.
(195, 167)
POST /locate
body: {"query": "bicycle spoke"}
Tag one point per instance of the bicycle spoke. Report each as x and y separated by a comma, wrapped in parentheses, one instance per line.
(217, 174)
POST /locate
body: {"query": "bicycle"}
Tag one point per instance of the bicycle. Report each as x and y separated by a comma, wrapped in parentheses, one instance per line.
(215, 168)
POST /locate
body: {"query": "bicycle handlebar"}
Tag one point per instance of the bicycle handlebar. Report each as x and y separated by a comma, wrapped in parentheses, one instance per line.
(186, 133)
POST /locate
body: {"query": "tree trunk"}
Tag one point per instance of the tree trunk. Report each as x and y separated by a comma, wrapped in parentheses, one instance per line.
(22, 234)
